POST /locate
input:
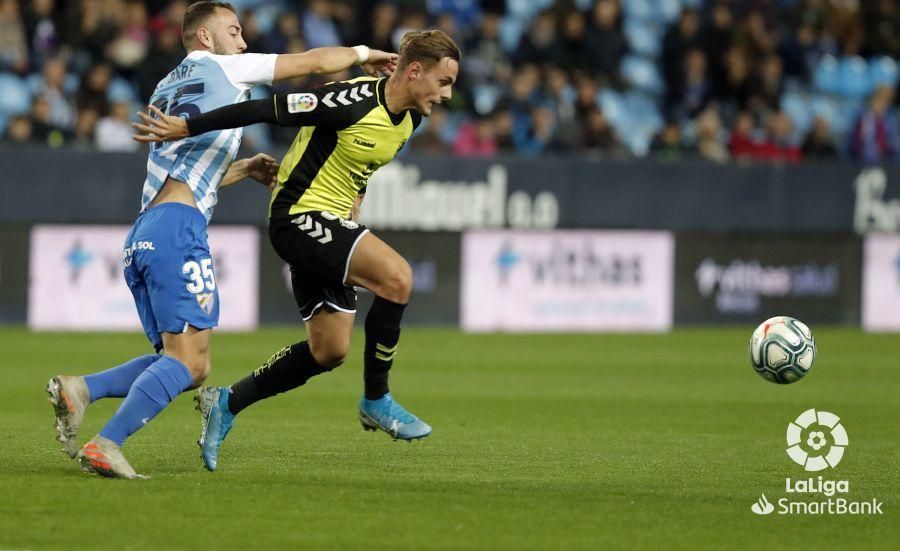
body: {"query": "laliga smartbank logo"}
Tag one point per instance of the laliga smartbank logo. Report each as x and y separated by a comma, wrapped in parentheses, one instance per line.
(816, 441)
(825, 440)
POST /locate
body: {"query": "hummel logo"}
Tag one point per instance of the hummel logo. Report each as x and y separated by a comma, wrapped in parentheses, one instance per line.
(347, 97)
(319, 233)
(370, 145)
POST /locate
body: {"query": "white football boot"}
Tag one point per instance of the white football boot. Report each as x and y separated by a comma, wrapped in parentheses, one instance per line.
(69, 397)
(104, 457)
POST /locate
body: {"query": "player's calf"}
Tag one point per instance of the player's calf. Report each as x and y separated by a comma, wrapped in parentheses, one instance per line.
(287, 369)
(191, 349)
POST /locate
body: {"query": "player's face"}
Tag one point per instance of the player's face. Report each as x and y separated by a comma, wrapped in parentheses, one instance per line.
(225, 31)
(434, 86)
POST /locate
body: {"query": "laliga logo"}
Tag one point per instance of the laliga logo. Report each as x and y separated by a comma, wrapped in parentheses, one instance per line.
(816, 440)
(814, 447)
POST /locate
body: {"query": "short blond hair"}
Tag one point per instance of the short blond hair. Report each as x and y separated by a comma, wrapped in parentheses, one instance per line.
(426, 47)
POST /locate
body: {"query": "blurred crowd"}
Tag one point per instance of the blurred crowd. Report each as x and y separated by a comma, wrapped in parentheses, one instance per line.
(739, 80)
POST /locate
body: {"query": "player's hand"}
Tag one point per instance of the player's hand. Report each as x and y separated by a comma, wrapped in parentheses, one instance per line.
(263, 169)
(160, 128)
(380, 63)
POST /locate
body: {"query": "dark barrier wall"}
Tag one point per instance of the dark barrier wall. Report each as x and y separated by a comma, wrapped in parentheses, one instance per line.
(39, 185)
(13, 275)
(62, 186)
(749, 279)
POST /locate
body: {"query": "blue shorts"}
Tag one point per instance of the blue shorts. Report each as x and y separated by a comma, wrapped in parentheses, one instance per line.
(169, 271)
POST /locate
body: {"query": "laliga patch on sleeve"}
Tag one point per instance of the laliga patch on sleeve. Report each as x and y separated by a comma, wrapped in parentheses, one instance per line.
(301, 103)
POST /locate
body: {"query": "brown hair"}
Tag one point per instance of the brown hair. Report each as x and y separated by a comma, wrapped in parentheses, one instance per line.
(426, 47)
(196, 15)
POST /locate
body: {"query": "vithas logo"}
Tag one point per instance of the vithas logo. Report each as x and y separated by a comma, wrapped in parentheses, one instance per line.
(816, 440)
(762, 506)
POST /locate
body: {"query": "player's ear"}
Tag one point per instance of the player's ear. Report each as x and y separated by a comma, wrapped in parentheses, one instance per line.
(204, 37)
(414, 70)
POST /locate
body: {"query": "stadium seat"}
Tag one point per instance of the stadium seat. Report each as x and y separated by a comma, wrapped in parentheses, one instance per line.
(848, 111)
(645, 122)
(797, 107)
(643, 74)
(825, 107)
(525, 10)
(120, 89)
(643, 110)
(840, 114)
(485, 97)
(613, 106)
(455, 120)
(15, 96)
(641, 9)
(36, 83)
(643, 36)
(637, 141)
(853, 74)
(634, 116)
(267, 13)
(826, 76)
(883, 72)
(667, 10)
(511, 29)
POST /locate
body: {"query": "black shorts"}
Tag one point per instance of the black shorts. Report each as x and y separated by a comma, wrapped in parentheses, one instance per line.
(317, 245)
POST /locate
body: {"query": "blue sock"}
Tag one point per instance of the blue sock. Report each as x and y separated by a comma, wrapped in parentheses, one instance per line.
(151, 392)
(115, 382)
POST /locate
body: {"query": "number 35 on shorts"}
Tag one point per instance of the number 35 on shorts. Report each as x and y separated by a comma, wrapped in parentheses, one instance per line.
(200, 274)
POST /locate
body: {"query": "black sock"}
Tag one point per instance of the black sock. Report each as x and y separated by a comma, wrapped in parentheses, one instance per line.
(382, 334)
(287, 369)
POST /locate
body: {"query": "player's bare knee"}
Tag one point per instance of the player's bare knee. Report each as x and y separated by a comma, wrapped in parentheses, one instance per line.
(330, 359)
(398, 285)
(197, 364)
(329, 355)
(199, 370)
(201, 377)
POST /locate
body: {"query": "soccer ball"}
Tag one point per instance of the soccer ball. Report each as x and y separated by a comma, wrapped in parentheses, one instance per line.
(782, 350)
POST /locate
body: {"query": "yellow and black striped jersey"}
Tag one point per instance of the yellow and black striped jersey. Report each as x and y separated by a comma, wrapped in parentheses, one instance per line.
(347, 134)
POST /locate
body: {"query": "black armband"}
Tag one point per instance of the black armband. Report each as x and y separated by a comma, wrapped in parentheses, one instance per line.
(233, 116)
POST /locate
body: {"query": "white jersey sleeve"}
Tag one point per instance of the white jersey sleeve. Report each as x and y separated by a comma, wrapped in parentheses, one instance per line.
(247, 70)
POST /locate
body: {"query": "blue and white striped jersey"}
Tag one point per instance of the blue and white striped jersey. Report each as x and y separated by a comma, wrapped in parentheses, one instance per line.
(201, 83)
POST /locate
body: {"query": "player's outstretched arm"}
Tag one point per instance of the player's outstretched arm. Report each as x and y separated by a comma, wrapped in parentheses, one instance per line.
(294, 109)
(163, 128)
(334, 59)
(260, 167)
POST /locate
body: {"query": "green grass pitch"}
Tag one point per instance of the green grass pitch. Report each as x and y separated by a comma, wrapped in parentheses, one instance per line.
(540, 442)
